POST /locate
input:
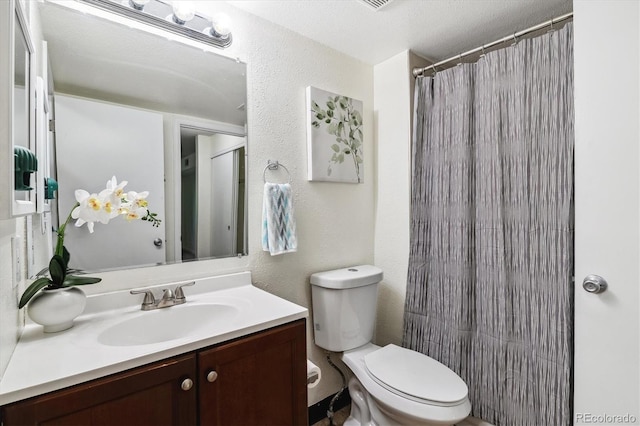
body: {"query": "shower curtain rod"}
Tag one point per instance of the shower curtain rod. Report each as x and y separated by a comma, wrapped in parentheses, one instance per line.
(420, 71)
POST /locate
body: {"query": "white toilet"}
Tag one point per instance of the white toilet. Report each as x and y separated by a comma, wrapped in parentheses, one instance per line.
(390, 385)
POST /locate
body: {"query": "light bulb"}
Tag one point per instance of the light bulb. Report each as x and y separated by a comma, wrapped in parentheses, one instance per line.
(183, 12)
(138, 4)
(221, 26)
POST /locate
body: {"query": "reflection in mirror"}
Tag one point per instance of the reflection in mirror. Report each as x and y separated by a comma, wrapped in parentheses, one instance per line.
(212, 175)
(126, 102)
(21, 100)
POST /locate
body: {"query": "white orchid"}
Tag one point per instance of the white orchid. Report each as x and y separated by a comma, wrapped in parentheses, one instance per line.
(109, 203)
(116, 188)
(136, 206)
(90, 208)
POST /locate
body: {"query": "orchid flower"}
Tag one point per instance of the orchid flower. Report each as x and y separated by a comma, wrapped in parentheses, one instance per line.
(87, 210)
(117, 188)
(137, 204)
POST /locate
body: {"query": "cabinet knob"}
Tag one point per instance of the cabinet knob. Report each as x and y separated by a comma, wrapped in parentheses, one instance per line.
(212, 376)
(186, 384)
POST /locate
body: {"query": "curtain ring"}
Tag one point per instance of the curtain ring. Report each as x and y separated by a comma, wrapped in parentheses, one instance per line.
(483, 54)
(551, 29)
(459, 59)
(515, 40)
(435, 70)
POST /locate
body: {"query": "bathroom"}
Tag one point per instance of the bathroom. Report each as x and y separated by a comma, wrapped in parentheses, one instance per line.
(343, 224)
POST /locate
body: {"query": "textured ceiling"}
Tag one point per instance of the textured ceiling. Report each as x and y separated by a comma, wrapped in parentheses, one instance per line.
(434, 29)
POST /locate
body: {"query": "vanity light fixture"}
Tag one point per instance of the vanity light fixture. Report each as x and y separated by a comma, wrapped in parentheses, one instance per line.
(183, 12)
(179, 17)
(220, 26)
(138, 4)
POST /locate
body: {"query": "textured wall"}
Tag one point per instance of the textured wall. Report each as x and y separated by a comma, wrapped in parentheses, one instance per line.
(393, 87)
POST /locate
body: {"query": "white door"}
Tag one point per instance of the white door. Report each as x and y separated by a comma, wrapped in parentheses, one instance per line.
(217, 189)
(607, 46)
(95, 141)
(224, 204)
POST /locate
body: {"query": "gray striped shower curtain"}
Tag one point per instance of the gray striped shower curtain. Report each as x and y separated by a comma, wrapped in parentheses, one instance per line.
(489, 291)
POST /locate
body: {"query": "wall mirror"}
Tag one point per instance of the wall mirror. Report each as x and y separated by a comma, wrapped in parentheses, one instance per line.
(167, 117)
(18, 164)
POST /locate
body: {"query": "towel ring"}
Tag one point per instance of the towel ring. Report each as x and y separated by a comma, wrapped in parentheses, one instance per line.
(274, 166)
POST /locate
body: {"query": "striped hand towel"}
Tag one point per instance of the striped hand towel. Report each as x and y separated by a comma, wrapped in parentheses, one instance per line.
(278, 223)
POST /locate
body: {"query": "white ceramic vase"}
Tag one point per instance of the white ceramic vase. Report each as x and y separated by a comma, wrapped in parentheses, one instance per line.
(56, 309)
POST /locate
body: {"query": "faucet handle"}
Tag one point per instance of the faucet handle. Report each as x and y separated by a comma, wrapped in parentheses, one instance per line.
(167, 294)
(179, 294)
(149, 299)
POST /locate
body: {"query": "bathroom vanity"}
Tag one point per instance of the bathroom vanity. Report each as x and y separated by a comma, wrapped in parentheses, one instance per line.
(246, 368)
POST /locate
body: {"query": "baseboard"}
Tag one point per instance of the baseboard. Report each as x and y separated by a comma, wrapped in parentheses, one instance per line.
(318, 411)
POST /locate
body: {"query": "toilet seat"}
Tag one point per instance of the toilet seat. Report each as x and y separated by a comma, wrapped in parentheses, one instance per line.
(412, 410)
(415, 376)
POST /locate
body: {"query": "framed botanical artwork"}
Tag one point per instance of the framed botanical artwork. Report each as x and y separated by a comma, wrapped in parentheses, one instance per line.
(334, 137)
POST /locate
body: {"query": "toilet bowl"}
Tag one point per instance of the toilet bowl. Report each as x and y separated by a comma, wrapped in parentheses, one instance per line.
(391, 385)
(404, 388)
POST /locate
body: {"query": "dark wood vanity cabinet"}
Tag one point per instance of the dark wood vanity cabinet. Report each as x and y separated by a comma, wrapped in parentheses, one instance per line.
(255, 380)
(258, 380)
(149, 395)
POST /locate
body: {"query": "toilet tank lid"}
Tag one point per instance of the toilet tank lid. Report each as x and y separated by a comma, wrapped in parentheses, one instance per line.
(354, 276)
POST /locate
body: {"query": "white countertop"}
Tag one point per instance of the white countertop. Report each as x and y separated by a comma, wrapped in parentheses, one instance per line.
(44, 362)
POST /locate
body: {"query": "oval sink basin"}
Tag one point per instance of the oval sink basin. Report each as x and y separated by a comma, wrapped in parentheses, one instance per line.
(166, 324)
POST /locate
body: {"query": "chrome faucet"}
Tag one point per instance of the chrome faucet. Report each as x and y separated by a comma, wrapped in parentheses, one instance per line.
(169, 297)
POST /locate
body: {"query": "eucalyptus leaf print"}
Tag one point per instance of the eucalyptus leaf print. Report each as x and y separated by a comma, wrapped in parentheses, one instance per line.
(337, 121)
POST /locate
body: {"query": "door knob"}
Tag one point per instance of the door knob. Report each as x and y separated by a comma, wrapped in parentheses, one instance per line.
(157, 242)
(212, 376)
(186, 384)
(594, 284)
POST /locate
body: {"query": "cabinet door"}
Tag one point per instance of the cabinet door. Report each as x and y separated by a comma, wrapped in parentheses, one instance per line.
(258, 380)
(150, 395)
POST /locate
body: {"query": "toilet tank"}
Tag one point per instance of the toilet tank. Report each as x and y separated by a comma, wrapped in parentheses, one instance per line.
(344, 306)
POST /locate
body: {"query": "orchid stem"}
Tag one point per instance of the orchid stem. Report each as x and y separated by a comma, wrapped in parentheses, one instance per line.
(60, 232)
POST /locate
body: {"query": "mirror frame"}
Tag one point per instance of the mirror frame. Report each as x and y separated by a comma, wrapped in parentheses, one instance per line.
(12, 11)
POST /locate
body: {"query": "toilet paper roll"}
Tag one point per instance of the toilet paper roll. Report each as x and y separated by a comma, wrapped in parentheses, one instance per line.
(313, 375)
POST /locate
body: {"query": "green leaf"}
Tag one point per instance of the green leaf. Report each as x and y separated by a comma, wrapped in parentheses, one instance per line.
(320, 115)
(341, 158)
(358, 159)
(335, 147)
(66, 256)
(31, 291)
(57, 270)
(315, 106)
(347, 152)
(72, 280)
(331, 105)
(330, 113)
